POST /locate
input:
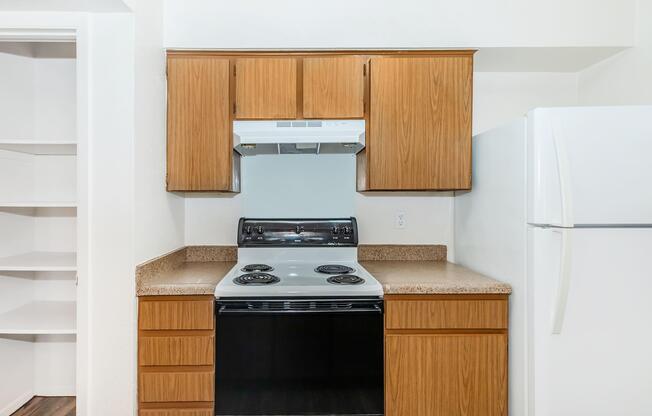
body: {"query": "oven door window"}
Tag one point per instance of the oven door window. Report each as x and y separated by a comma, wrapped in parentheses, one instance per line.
(299, 363)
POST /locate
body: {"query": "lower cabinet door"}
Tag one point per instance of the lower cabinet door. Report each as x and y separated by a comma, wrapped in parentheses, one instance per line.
(446, 374)
(177, 386)
(176, 412)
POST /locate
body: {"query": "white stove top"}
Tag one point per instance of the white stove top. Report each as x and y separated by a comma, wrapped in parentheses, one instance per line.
(295, 269)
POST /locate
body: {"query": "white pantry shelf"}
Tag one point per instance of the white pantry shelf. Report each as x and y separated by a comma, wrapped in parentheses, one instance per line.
(40, 317)
(38, 204)
(40, 147)
(40, 261)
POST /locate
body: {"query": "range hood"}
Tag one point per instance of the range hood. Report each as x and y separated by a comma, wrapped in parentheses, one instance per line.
(298, 137)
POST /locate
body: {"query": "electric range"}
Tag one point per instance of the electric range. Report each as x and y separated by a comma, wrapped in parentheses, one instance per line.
(299, 323)
(298, 258)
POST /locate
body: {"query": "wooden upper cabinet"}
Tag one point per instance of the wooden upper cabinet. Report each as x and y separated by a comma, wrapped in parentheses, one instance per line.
(419, 134)
(199, 154)
(266, 88)
(333, 87)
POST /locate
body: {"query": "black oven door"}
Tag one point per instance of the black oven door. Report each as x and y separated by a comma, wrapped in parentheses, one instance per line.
(309, 356)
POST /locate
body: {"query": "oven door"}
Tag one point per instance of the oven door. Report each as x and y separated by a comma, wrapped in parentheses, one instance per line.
(309, 356)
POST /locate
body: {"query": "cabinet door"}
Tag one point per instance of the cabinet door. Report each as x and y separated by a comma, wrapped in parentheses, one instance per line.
(199, 126)
(333, 87)
(446, 375)
(266, 88)
(420, 123)
(176, 386)
(176, 412)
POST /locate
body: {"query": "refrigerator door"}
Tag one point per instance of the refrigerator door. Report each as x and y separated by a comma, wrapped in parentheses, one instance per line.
(589, 166)
(589, 315)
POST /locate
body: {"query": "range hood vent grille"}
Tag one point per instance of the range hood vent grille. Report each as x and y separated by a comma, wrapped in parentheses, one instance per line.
(298, 137)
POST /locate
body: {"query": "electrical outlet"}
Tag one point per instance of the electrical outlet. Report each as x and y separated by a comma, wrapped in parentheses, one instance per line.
(400, 220)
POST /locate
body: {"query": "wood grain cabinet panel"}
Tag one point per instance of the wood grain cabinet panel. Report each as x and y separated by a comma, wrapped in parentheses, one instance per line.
(176, 350)
(176, 314)
(446, 314)
(196, 386)
(200, 151)
(176, 412)
(266, 88)
(333, 87)
(446, 375)
(419, 135)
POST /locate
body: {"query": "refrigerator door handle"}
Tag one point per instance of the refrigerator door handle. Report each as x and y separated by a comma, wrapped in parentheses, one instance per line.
(563, 285)
(563, 170)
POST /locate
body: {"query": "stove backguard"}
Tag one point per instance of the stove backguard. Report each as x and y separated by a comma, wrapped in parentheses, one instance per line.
(342, 232)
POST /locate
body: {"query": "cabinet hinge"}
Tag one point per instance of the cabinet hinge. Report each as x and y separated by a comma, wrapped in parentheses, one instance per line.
(234, 108)
(364, 70)
(234, 70)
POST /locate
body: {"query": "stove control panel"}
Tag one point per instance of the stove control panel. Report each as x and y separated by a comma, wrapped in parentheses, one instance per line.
(339, 232)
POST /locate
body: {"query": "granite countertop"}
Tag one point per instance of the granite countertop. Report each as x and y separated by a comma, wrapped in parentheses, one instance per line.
(402, 270)
(189, 278)
(431, 277)
(194, 270)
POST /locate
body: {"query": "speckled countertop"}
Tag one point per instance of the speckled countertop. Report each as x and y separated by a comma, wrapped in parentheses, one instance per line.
(431, 277)
(190, 278)
(403, 270)
(194, 270)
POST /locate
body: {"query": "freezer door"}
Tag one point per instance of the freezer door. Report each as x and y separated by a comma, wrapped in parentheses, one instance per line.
(590, 166)
(589, 322)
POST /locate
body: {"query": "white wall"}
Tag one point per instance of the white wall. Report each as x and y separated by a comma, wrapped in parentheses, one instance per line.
(624, 78)
(387, 23)
(111, 305)
(17, 86)
(38, 91)
(159, 214)
(55, 97)
(310, 186)
(500, 97)
(305, 185)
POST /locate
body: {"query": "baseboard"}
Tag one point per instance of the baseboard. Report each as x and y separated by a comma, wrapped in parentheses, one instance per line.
(56, 391)
(16, 404)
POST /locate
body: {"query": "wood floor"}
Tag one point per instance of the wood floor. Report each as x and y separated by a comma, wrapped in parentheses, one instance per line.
(47, 406)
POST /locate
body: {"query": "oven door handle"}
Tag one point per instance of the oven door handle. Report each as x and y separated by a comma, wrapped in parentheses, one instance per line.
(223, 309)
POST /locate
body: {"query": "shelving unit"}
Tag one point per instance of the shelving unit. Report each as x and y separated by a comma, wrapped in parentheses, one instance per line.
(38, 204)
(39, 261)
(38, 216)
(40, 318)
(40, 147)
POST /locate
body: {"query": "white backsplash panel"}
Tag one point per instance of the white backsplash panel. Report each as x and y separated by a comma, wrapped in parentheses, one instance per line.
(314, 186)
(299, 186)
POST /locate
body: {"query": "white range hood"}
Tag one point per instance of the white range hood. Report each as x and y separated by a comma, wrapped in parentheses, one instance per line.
(298, 137)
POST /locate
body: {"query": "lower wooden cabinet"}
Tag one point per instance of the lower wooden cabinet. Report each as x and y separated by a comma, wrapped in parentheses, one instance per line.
(460, 368)
(177, 385)
(445, 355)
(176, 412)
(176, 354)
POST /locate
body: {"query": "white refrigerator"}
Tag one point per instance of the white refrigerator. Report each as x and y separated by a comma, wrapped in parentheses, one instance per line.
(561, 208)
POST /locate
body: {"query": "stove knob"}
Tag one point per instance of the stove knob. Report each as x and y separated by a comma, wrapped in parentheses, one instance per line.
(259, 229)
(347, 230)
(298, 229)
(248, 229)
(336, 230)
